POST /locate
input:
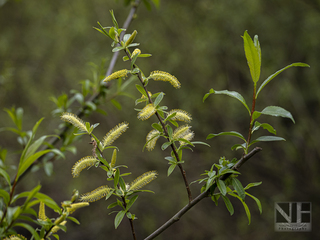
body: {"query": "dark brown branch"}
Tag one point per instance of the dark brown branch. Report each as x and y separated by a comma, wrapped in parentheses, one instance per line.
(203, 195)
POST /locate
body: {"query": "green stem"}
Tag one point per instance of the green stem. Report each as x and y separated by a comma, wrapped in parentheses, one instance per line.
(251, 122)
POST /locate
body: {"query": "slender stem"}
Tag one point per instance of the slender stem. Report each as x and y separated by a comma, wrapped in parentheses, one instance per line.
(251, 122)
(130, 219)
(201, 196)
(183, 172)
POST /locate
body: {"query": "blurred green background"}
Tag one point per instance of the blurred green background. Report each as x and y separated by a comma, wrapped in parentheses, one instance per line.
(45, 48)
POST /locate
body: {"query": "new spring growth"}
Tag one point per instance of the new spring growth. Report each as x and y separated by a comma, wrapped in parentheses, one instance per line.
(74, 120)
(151, 139)
(118, 74)
(181, 115)
(189, 136)
(96, 194)
(147, 112)
(143, 180)
(76, 206)
(131, 38)
(114, 133)
(166, 77)
(83, 163)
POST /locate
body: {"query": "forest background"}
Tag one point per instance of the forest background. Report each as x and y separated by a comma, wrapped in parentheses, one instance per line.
(47, 47)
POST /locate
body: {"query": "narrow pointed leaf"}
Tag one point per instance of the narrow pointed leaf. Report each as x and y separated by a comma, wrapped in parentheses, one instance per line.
(232, 133)
(119, 218)
(250, 185)
(277, 112)
(257, 201)
(228, 204)
(233, 94)
(239, 188)
(277, 73)
(253, 57)
(222, 187)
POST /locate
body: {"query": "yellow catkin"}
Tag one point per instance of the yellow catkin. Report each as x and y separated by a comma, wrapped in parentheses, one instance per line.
(56, 228)
(74, 120)
(181, 115)
(154, 135)
(76, 206)
(135, 52)
(114, 158)
(83, 163)
(42, 214)
(147, 112)
(143, 180)
(115, 75)
(189, 136)
(114, 133)
(166, 77)
(181, 131)
(16, 237)
(96, 194)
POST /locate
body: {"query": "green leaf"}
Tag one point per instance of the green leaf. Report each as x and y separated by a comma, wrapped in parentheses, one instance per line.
(117, 49)
(170, 131)
(267, 139)
(228, 204)
(165, 145)
(6, 176)
(119, 218)
(74, 220)
(278, 72)
(215, 198)
(115, 23)
(255, 115)
(32, 193)
(27, 163)
(29, 228)
(171, 168)
(5, 195)
(247, 211)
(131, 202)
(157, 127)
(257, 201)
(233, 94)
(222, 187)
(265, 126)
(158, 99)
(250, 185)
(116, 178)
(201, 143)
(141, 90)
(277, 112)
(232, 133)
(253, 55)
(239, 188)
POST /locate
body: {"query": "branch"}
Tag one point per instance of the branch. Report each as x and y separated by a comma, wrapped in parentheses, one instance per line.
(94, 97)
(203, 195)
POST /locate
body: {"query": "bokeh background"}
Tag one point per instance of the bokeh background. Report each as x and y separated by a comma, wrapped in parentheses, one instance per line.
(46, 48)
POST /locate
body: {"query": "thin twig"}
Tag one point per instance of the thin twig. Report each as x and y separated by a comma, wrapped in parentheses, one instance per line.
(203, 195)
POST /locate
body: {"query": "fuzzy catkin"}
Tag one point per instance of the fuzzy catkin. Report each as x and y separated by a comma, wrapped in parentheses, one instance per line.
(96, 194)
(181, 115)
(151, 139)
(143, 180)
(147, 112)
(114, 133)
(83, 163)
(166, 77)
(74, 120)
